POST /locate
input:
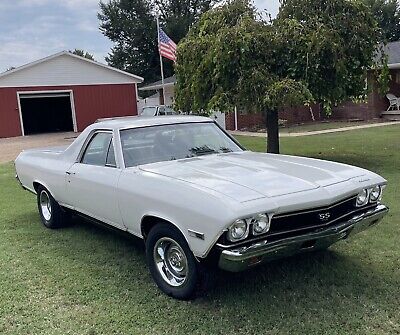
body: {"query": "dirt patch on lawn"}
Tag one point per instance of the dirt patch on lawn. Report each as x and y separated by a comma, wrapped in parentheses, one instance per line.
(11, 147)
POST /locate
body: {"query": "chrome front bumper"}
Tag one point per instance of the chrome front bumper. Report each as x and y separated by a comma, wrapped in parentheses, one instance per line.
(242, 258)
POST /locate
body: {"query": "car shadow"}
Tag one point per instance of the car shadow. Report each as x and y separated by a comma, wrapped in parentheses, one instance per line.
(318, 281)
(303, 286)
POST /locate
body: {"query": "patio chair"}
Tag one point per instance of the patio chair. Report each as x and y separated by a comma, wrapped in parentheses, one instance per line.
(394, 102)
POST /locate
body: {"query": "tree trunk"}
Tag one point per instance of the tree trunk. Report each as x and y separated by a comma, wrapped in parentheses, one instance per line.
(272, 131)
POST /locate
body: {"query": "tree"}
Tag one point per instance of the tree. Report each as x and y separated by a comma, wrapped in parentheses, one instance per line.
(131, 25)
(387, 14)
(315, 49)
(82, 53)
(281, 94)
(227, 60)
(329, 44)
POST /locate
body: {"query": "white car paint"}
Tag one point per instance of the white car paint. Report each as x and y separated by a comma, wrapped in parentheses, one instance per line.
(204, 194)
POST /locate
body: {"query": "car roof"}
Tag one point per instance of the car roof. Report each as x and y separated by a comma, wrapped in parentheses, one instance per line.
(144, 121)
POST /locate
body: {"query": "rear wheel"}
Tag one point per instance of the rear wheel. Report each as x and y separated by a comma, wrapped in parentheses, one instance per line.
(51, 213)
(171, 262)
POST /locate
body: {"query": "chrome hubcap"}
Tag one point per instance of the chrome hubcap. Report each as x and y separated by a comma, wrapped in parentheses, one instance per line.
(45, 205)
(171, 261)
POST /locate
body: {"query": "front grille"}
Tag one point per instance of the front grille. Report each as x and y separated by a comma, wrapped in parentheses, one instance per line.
(313, 218)
(300, 222)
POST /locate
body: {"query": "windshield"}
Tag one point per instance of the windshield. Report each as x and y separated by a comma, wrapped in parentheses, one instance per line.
(148, 111)
(175, 141)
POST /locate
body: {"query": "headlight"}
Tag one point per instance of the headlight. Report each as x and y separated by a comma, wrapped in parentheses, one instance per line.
(362, 198)
(238, 231)
(375, 193)
(261, 224)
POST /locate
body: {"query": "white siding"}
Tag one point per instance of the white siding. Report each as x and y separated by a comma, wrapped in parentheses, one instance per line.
(169, 95)
(65, 70)
(154, 100)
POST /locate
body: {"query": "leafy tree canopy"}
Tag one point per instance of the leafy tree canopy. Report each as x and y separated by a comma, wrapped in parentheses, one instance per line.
(131, 25)
(317, 49)
(233, 48)
(329, 44)
(287, 93)
(82, 53)
(228, 60)
(387, 14)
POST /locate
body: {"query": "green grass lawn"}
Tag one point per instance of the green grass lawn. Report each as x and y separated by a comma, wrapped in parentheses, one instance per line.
(87, 280)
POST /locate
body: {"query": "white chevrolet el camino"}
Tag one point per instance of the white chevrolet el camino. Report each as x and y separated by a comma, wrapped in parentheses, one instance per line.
(197, 198)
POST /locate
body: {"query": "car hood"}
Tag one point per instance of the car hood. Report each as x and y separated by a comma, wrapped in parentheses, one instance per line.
(249, 176)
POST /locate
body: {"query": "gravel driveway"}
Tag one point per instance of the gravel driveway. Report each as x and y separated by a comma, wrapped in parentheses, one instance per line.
(11, 147)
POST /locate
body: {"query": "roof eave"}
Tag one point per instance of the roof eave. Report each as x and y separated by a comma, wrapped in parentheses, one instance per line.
(155, 87)
(394, 66)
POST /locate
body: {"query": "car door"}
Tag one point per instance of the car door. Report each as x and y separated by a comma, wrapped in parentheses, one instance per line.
(92, 181)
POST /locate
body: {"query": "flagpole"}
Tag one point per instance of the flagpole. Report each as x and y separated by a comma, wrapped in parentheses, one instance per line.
(161, 60)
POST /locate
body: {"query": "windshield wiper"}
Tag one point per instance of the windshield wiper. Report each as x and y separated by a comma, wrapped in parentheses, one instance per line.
(199, 151)
(225, 150)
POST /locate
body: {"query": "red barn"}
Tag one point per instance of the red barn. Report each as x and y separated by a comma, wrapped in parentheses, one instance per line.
(63, 92)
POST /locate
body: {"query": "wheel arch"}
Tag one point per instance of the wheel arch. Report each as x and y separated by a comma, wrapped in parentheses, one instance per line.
(150, 220)
(37, 183)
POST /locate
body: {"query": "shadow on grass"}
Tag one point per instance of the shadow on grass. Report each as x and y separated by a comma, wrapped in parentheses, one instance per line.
(306, 287)
(321, 268)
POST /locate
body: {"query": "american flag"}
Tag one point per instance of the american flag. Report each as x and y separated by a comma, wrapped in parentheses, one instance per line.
(166, 46)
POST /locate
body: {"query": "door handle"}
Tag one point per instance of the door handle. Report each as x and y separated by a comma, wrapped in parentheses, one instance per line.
(70, 173)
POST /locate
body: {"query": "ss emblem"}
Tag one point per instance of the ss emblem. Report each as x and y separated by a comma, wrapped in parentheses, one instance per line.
(324, 216)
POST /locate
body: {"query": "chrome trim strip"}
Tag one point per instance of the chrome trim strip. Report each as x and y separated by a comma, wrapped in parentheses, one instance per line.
(196, 234)
(29, 189)
(66, 206)
(19, 181)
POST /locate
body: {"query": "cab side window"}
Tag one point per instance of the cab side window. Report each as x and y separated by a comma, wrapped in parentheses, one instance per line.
(100, 151)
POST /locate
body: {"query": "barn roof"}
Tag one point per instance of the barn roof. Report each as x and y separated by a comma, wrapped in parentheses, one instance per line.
(64, 69)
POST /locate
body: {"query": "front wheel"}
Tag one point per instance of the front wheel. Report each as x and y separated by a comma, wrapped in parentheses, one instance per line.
(171, 262)
(51, 213)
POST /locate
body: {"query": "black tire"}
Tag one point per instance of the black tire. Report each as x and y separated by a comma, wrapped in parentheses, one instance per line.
(54, 216)
(194, 274)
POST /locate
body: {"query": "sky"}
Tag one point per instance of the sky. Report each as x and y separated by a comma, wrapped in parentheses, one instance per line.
(33, 29)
